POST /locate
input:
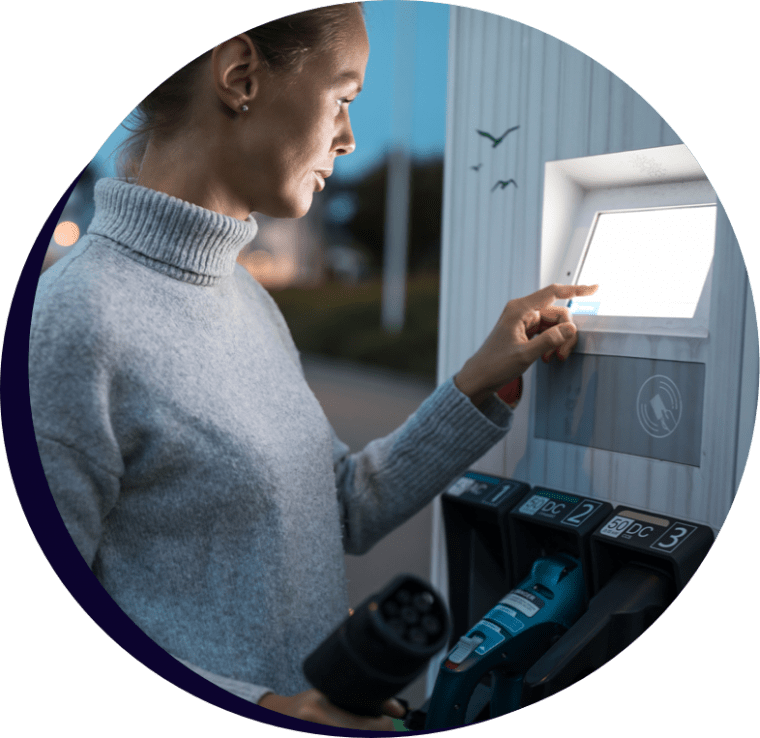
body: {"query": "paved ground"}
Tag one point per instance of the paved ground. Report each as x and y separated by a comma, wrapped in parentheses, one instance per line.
(363, 404)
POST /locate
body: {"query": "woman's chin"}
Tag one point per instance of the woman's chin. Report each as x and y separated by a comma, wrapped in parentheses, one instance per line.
(300, 211)
(289, 208)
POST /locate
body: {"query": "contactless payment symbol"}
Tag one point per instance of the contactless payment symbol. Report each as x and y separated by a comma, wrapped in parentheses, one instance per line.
(658, 406)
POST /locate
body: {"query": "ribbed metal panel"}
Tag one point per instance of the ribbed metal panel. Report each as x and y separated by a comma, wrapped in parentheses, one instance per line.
(502, 74)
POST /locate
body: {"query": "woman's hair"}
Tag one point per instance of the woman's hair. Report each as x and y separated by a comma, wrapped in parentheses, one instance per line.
(282, 44)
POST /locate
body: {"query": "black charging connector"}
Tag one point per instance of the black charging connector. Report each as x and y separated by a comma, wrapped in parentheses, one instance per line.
(381, 648)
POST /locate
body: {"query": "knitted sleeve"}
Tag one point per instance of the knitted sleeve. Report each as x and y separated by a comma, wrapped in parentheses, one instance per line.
(394, 477)
(70, 381)
(83, 491)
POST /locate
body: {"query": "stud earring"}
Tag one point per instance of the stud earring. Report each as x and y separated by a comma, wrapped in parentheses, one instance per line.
(243, 108)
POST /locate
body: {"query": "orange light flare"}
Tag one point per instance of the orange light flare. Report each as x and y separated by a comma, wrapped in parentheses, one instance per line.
(270, 271)
(66, 233)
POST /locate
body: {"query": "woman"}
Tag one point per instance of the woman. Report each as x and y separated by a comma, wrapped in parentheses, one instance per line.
(191, 464)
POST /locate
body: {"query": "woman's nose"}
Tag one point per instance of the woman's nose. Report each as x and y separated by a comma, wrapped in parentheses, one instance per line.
(345, 143)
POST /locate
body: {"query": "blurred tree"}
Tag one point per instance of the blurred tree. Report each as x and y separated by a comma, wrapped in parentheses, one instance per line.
(367, 220)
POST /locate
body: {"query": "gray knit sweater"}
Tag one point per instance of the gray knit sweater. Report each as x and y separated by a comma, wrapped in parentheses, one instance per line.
(192, 465)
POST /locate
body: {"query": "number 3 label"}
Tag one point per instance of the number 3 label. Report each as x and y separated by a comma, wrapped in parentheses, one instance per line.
(673, 537)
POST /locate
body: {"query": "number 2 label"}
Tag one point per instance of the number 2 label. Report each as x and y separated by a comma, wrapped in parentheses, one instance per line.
(581, 515)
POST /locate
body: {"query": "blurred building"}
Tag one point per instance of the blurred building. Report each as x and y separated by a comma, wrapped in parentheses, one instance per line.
(286, 252)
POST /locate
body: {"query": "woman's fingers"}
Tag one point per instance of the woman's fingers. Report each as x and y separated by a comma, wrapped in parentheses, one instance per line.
(556, 314)
(345, 719)
(555, 339)
(394, 709)
(528, 328)
(340, 718)
(547, 295)
(552, 315)
(566, 349)
(314, 706)
(538, 321)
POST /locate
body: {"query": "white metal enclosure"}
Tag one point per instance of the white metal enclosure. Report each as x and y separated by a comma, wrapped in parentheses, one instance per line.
(503, 74)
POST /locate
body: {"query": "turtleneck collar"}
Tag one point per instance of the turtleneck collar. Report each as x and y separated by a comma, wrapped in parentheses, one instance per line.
(172, 236)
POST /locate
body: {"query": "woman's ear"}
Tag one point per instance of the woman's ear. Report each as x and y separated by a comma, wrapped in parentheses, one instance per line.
(236, 66)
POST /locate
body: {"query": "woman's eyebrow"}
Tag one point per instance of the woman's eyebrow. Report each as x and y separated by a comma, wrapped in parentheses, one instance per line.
(350, 75)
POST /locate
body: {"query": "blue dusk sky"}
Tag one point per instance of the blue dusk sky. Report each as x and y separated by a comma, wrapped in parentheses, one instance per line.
(404, 93)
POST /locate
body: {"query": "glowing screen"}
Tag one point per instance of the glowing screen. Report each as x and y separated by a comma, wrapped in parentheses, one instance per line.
(648, 263)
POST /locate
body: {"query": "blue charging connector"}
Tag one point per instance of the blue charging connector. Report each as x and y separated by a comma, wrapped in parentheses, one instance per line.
(508, 640)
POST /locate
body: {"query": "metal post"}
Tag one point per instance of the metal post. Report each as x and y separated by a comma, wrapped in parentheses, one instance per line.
(399, 174)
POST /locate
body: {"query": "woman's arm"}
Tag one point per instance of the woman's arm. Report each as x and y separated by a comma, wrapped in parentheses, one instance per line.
(71, 371)
(84, 492)
(394, 477)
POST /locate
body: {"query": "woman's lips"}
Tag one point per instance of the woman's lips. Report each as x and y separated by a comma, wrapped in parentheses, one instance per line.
(322, 175)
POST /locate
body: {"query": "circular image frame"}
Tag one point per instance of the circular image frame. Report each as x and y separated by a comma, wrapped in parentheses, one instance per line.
(43, 651)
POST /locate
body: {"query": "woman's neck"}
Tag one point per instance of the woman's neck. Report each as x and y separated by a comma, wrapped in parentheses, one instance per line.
(183, 169)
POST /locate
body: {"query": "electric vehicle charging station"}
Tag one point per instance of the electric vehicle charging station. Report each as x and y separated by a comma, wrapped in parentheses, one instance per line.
(590, 581)
(639, 564)
(653, 413)
(475, 510)
(634, 394)
(543, 538)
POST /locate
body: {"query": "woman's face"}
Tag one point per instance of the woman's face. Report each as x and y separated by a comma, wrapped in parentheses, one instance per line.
(298, 124)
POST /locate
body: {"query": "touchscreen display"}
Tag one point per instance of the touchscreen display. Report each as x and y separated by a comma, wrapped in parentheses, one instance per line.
(647, 263)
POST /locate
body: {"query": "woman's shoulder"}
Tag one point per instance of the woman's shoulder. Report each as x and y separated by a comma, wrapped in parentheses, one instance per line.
(83, 295)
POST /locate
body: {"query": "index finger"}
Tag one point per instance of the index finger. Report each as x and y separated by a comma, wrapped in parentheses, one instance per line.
(547, 295)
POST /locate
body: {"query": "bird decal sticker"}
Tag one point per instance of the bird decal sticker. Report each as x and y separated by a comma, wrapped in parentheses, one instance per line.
(503, 184)
(497, 141)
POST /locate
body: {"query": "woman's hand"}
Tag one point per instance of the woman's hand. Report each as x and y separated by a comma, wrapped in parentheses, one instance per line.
(529, 327)
(313, 706)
